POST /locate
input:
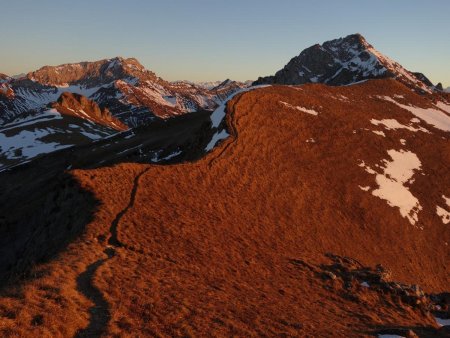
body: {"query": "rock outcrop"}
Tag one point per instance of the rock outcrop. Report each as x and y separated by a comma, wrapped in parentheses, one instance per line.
(80, 106)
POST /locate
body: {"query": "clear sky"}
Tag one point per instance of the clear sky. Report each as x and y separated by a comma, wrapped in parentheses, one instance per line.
(212, 40)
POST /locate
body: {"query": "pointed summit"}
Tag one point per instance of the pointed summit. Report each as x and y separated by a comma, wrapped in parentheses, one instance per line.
(345, 61)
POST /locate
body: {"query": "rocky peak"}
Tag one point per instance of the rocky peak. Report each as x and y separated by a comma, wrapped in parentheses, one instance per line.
(80, 106)
(439, 87)
(345, 61)
(224, 83)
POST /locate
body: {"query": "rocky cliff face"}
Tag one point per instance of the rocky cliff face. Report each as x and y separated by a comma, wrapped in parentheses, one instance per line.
(80, 106)
(345, 61)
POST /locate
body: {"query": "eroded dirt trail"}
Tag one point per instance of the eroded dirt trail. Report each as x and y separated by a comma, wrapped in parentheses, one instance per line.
(113, 240)
(100, 312)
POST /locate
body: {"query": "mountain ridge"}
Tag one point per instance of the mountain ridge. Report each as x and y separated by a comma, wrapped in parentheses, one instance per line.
(132, 93)
(345, 61)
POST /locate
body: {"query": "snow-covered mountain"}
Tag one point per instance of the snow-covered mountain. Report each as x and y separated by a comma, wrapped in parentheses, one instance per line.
(72, 104)
(345, 61)
(132, 93)
(203, 84)
(214, 84)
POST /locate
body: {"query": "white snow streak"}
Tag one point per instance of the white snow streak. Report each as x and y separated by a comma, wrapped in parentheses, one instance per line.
(302, 109)
(391, 183)
(392, 124)
(442, 213)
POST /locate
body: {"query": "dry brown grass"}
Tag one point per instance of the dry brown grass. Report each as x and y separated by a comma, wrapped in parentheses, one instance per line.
(207, 245)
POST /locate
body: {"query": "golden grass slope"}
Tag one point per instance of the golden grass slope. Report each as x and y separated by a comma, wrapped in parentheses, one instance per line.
(206, 248)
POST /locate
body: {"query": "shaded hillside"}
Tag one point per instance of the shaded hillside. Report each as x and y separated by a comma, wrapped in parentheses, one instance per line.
(72, 121)
(236, 243)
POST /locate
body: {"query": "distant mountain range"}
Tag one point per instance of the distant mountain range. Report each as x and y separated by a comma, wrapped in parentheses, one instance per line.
(62, 106)
(345, 61)
(132, 94)
(314, 205)
(73, 104)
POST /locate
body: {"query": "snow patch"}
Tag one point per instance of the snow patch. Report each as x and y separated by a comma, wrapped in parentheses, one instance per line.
(393, 124)
(442, 213)
(219, 114)
(27, 144)
(216, 138)
(447, 200)
(435, 117)
(442, 321)
(443, 106)
(379, 132)
(302, 109)
(172, 100)
(391, 183)
(168, 157)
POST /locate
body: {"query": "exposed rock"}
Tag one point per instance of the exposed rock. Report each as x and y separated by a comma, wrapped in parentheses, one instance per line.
(80, 106)
(6, 91)
(92, 74)
(344, 61)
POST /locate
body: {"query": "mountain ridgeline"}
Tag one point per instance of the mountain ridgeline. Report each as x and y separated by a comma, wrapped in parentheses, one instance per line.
(345, 61)
(70, 105)
(50, 108)
(132, 93)
(329, 182)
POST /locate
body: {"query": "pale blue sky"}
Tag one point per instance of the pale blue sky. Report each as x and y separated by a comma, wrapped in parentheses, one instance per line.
(212, 40)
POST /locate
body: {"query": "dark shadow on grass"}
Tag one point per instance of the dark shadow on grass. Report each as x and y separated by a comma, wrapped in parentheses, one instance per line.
(43, 207)
(99, 313)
